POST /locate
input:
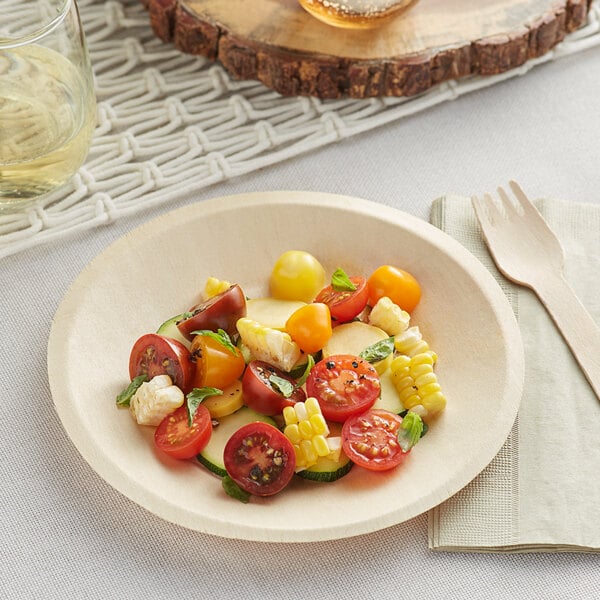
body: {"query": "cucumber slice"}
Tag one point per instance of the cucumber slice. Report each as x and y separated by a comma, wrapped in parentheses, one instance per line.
(327, 470)
(169, 329)
(212, 455)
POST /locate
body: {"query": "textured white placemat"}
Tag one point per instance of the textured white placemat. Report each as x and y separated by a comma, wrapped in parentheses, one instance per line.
(169, 123)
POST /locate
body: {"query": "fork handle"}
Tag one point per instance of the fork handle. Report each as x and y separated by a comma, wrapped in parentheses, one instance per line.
(575, 323)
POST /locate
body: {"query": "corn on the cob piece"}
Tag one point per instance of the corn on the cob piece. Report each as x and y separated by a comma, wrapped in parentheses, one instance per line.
(417, 384)
(411, 343)
(154, 400)
(214, 287)
(389, 316)
(307, 429)
(270, 345)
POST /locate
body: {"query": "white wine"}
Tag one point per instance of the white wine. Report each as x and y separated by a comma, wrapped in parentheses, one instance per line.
(47, 118)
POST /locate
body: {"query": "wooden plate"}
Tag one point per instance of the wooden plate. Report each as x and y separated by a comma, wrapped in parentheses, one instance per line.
(281, 45)
(158, 270)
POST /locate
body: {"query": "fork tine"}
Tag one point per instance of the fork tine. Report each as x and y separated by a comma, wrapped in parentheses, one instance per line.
(485, 209)
(511, 209)
(528, 208)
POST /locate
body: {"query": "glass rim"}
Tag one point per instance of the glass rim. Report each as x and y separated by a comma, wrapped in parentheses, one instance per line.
(40, 32)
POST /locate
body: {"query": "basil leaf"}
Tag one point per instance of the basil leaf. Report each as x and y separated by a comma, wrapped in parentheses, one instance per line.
(340, 282)
(309, 365)
(124, 398)
(410, 431)
(283, 386)
(378, 351)
(195, 399)
(220, 336)
(234, 490)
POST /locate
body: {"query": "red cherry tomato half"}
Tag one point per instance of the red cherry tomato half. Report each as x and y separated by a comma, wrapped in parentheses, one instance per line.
(175, 437)
(370, 440)
(260, 459)
(155, 354)
(345, 305)
(262, 394)
(219, 312)
(344, 385)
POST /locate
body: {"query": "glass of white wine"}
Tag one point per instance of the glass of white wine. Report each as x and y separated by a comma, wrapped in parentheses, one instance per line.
(47, 101)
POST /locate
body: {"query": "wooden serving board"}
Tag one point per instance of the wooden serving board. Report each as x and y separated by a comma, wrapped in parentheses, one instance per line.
(280, 44)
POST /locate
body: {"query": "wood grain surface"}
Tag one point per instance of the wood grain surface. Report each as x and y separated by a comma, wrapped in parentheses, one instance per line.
(280, 44)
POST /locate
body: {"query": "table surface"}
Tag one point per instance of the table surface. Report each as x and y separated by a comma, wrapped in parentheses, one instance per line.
(68, 534)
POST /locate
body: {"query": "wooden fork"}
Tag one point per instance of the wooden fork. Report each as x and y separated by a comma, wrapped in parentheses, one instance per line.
(527, 252)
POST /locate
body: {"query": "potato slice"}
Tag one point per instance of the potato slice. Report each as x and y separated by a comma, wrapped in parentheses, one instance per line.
(272, 312)
(353, 338)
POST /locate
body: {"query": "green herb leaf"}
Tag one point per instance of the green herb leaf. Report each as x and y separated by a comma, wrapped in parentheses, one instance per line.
(378, 351)
(310, 363)
(234, 490)
(410, 431)
(195, 399)
(124, 398)
(185, 315)
(220, 336)
(283, 386)
(340, 282)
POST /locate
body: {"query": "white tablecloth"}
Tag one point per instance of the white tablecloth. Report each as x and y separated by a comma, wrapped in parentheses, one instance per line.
(67, 534)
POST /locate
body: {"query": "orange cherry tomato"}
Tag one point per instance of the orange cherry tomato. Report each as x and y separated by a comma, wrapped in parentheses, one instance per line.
(217, 365)
(310, 326)
(398, 285)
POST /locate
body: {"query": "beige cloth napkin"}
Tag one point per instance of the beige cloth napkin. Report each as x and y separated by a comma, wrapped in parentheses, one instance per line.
(542, 490)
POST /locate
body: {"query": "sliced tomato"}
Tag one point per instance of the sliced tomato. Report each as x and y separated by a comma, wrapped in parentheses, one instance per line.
(260, 459)
(175, 437)
(344, 385)
(263, 393)
(219, 312)
(217, 365)
(154, 354)
(344, 305)
(370, 440)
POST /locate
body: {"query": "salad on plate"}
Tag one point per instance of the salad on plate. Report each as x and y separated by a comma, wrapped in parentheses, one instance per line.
(325, 374)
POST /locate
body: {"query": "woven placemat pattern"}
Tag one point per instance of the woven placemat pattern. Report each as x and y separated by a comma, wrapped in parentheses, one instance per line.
(169, 123)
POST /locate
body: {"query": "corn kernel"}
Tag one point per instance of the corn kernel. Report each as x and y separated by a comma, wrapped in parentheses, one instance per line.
(320, 445)
(426, 379)
(301, 413)
(300, 460)
(214, 286)
(312, 406)
(319, 424)
(289, 415)
(292, 433)
(305, 429)
(309, 452)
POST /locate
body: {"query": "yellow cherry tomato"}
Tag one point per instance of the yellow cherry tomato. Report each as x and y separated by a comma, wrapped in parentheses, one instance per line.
(310, 326)
(217, 365)
(398, 285)
(297, 275)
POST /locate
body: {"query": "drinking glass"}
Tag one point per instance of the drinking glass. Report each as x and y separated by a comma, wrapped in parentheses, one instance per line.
(355, 14)
(47, 102)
